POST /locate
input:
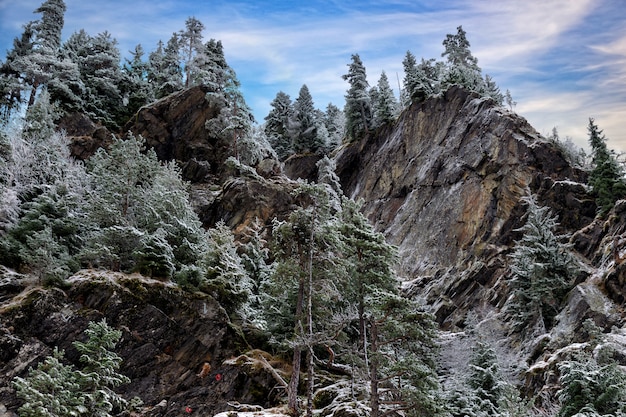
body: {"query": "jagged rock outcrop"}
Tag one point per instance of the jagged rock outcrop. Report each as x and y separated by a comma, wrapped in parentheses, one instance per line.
(168, 335)
(245, 200)
(175, 128)
(85, 136)
(445, 184)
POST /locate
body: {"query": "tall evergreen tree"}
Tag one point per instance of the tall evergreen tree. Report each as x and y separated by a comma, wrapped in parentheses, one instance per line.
(542, 269)
(98, 59)
(226, 277)
(11, 83)
(303, 289)
(385, 108)
(135, 88)
(358, 108)
(139, 213)
(56, 389)
(397, 340)
(457, 50)
(335, 122)
(606, 178)
(38, 66)
(305, 126)
(190, 43)
(277, 125)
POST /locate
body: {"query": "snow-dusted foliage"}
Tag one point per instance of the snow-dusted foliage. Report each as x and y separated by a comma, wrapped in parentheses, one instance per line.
(277, 125)
(226, 277)
(542, 270)
(358, 108)
(431, 78)
(591, 386)
(139, 213)
(57, 389)
(607, 176)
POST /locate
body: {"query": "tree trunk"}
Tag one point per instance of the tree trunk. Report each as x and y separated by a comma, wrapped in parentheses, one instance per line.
(292, 388)
(374, 395)
(309, 318)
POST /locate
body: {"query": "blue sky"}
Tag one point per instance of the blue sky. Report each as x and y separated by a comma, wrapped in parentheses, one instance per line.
(563, 60)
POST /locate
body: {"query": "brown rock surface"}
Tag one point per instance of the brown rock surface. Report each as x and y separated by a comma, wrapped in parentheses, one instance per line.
(86, 137)
(167, 337)
(175, 127)
(444, 183)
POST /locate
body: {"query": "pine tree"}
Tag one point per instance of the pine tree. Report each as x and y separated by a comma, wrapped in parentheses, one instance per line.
(11, 83)
(302, 292)
(37, 66)
(135, 88)
(385, 108)
(98, 59)
(99, 374)
(462, 68)
(591, 387)
(226, 277)
(190, 42)
(54, 389)
(358, 108)
(165, 75)
(396, 338)
(305, 129)
(135, 206)
(457, 50)
(484, 378)
(606, 177)
(335, 122)
(411, 79)
(542, 269)
(277, 126)
(50, 390)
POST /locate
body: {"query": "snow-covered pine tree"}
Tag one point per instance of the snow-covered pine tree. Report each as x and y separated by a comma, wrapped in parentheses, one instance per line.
(591, 386)
(335, 122)
(10, 76)
(542, 269)
(56, 389)
(226, 277)
(303, 291)
(135, 88)
(98, 59)
(165, 75)
(139, 212)
(190, 42)
(396, 338)
(607, 177)
(52, 389)
(411, 79)
(358, 108)
(386, 107)
(277, 125)
(304, 126)
(99, 374)
(484, 378)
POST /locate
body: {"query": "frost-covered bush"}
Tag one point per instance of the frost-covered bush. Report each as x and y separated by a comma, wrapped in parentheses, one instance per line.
(57, 389)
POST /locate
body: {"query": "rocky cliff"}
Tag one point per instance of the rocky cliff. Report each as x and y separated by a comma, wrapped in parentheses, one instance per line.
(445, 183)
(174, 343)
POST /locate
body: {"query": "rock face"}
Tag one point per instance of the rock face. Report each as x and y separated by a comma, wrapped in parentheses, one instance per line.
(175, 128)
(444, 183)
(85, 136)
(174, 343)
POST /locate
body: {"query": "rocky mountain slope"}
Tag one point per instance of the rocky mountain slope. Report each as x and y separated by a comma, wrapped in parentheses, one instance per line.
(444, 183)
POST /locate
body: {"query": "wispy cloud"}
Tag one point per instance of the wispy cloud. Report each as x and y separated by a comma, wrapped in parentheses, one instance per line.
(563, 60)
